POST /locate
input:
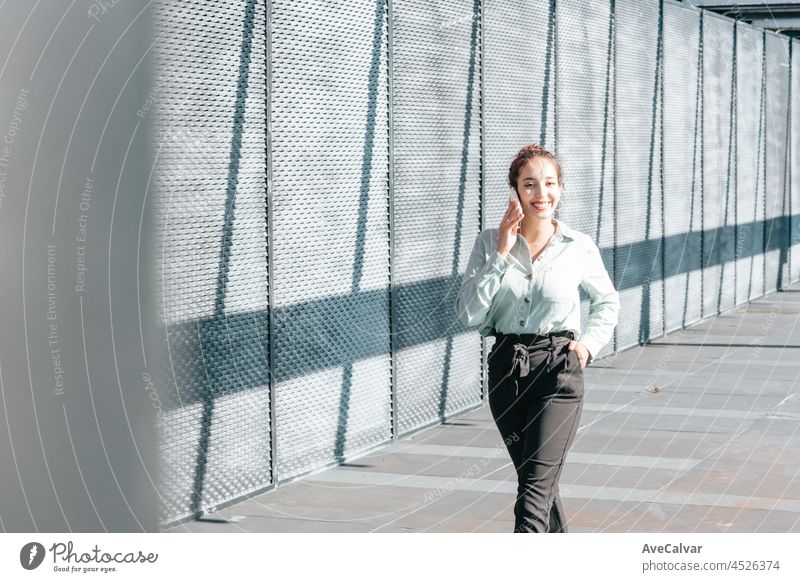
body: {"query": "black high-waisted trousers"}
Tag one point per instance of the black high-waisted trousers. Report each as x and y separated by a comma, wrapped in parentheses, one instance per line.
(536, 398)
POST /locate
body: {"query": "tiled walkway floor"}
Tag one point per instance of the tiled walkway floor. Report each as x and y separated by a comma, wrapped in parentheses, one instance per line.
(716, 449)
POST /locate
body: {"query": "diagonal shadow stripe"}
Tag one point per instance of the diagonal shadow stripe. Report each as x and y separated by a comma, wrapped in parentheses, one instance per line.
(548, 66)
(434, 300)
(462, 185)
(358, 262)
(216, 339)
(655, 111)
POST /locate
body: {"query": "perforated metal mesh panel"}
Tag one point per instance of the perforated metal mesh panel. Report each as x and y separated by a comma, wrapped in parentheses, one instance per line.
(210, 186)
(776, 104)
(638, 139)
(719, 196)
(750, 167)
(330, 244)
(437, 203)
(585, 93)
(519, 92)
(794, 161)
(682, 169)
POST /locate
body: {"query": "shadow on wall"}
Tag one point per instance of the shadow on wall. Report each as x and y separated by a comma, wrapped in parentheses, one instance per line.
(442, 326)
(217, 356)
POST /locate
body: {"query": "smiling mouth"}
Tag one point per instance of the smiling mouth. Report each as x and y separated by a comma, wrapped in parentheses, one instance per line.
(542, 205)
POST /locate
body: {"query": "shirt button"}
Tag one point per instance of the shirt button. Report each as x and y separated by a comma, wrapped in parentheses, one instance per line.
(521, 323)
(527, 300)
(530, 275)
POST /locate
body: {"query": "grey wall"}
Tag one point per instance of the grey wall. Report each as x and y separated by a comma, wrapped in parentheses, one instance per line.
(77, 439)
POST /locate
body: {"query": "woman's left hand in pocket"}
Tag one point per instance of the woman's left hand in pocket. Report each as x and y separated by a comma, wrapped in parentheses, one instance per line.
(583, 353)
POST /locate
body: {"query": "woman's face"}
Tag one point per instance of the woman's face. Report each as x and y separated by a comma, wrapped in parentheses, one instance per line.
(538, 188)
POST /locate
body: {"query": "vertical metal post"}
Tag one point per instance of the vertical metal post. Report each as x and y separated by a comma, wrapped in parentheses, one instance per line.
(735, 137)
(787, 184)
(701, 88)
(661, 66)
(613, 38)
(482, 182)
(554, 16)
(392, 244)
(273, 435)
(764, 182)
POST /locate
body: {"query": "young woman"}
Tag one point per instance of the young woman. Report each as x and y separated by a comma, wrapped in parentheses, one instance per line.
(521, 286)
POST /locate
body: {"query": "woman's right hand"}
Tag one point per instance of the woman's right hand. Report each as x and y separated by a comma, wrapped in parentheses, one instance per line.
(509, 227)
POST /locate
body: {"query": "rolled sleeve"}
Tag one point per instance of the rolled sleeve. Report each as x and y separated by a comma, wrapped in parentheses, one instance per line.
(481, 282)
(604, 307)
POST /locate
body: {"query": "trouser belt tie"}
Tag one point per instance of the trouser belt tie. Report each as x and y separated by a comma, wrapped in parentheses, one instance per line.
(521, 357)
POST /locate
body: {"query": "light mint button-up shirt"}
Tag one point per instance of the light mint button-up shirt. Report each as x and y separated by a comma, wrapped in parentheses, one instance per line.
(517, 295)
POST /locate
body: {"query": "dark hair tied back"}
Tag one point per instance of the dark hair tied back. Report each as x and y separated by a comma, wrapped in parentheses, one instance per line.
(528, 153)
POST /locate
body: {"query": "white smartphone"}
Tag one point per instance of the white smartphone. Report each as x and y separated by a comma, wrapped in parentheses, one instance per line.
(512, 195)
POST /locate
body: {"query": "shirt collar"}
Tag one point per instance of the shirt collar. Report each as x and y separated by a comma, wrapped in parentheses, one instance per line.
(521, 251)
(563, 231)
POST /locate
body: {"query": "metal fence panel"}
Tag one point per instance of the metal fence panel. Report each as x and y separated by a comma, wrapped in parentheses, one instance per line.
(682, 180)
(718, 166)
(330, 231)
(776, 105)
(794, 157)
(437, 76)
(750, 167)
(210, 186)
(584, 121)
(638, 167)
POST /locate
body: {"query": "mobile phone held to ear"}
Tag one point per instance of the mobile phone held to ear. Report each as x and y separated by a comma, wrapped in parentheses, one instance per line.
(512, 195)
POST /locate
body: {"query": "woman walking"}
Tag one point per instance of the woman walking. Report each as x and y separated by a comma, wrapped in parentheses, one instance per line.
(521, 286)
